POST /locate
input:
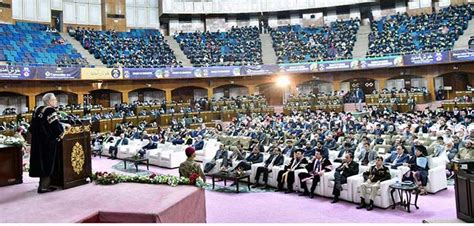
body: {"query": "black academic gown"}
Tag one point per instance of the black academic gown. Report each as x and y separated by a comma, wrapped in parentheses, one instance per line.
(46, 133)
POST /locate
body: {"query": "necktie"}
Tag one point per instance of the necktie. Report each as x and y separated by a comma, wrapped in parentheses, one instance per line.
(316, 167)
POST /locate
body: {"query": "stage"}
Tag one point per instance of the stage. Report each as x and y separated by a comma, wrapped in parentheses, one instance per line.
(120, 203)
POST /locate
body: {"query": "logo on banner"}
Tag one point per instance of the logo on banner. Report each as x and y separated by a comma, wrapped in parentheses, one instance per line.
(356, 64)
(26, 72)
(126, 74)
(158, 73)
(439, 57)
(313, 67)
(115, 73)
(236, 71)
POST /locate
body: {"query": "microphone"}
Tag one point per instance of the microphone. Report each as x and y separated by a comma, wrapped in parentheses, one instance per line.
(75, 119)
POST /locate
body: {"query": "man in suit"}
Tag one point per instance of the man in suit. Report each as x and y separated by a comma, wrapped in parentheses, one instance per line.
(397, 158)
(346, 169)
(114, 149)
(373, 177)
(135, 134)
(275, 159)
(254, 157)
(366, 154)
(359, 98)
(316, 169)
(199, 144)
(288, 173)
(220, 154)
(288, 150)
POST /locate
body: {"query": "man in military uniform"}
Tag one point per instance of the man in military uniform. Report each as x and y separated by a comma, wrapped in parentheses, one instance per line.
(46, 133)
(371, 186)
(188, 167)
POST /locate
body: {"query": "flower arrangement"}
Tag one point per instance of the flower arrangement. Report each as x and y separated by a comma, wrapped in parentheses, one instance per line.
(105, 178)
(11, 140)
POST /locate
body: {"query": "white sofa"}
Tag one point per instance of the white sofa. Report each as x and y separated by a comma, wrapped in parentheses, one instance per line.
(437, 180)
(346, 193)
(383, 198)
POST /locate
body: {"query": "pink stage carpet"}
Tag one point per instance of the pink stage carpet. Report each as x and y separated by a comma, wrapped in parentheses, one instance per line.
(127, 203)
(20, 203)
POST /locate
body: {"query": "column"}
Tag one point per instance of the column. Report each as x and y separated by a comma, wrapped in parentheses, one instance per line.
(113, 8)
(382, 82)
(80, 98)
(431, 87)
(168, 95)
(210, 93)
(336, 85)
(125, 97)
(251, 90)
(31, 102)
(6, 13)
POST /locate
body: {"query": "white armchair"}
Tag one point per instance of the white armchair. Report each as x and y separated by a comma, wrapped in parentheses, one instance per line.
(437, 180)
(383, 198)
(346, 193)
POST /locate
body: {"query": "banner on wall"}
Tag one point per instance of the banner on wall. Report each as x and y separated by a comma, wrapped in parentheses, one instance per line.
(184, 72)
(382, 62)
(305, 67)
(337, 65)
(58, 73)
(426, 58)
(101, 73)
(462, 55)
(16, 72)
(259, 69)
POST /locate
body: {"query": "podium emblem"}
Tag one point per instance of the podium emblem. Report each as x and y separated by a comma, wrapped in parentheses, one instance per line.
(77, 158)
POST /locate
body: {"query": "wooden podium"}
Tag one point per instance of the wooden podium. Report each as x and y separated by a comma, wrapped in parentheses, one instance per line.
(73, 161)
(11, 167)
(464, 189)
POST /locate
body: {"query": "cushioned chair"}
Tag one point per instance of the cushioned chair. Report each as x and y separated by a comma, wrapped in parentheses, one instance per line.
(383, 198)
(346, 193)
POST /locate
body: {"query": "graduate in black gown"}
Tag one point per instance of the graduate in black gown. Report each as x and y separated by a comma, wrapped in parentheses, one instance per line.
(46, 133)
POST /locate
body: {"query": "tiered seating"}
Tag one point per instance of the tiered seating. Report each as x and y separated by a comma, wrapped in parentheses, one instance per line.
(137, 48)
(294, 44)
(29, 43)
(404, 34)
(239, 46)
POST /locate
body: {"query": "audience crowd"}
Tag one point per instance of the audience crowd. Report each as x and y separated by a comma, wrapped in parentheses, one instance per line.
(238, 46)
(137, 48)
(403, 34)
(295, 44)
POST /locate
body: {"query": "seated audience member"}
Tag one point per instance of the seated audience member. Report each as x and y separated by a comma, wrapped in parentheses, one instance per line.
(188, 167)
(371, 186)
(397, 158)
(315, 169)
(254, 157)
(275, 159)
(418, 172)
(237, 155)
(466, 152)
(346, 169)
(344, 150)
(378, 140)
(221, 153)
(287, 175)
(199, 144)
(114, 149)
(366, 155)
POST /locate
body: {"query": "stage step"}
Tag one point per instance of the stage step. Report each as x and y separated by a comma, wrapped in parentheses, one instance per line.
(361, 45)
(463, 40)
(180, 56)
(268, 53)
(84, 53)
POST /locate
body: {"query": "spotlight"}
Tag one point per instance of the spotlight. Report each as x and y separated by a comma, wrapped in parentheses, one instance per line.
(282, 81)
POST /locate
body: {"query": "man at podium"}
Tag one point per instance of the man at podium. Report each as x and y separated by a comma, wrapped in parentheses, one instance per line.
(46, 133)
